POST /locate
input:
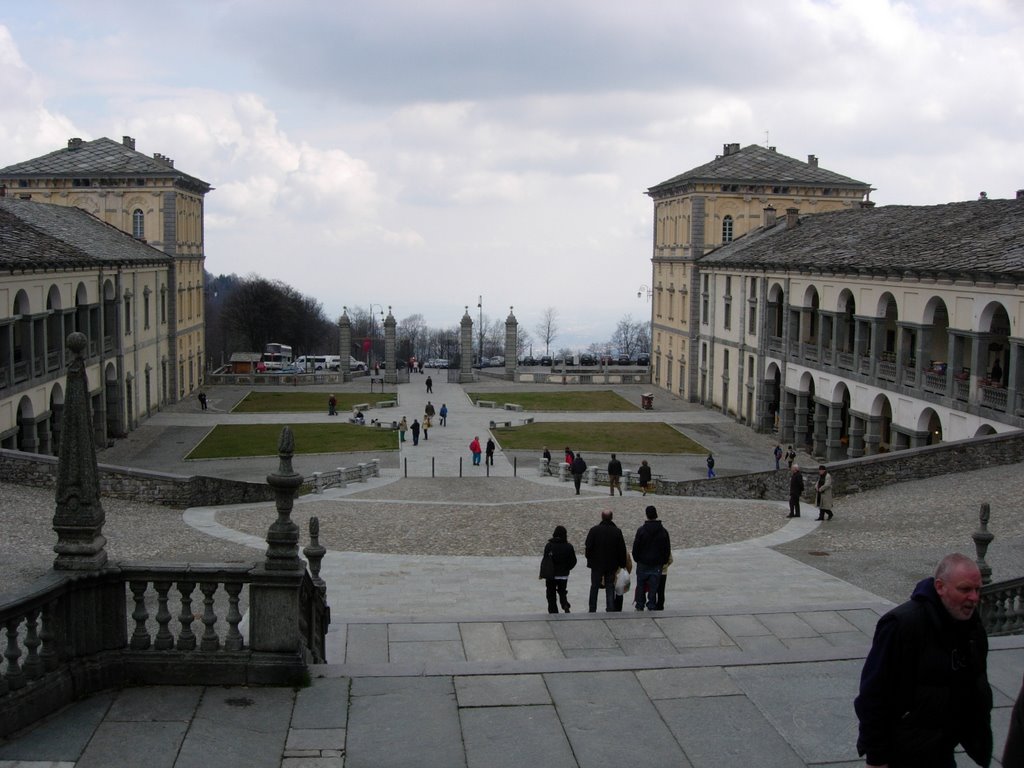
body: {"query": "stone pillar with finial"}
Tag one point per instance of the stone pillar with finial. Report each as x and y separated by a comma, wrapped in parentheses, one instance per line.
(314, 553)
(274, 604)
(466, 349)
(345, 345)
(982, 538)
(511, 345)
(390, 348)
(78, 517)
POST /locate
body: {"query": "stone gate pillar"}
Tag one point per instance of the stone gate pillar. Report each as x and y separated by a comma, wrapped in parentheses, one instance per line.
(390, 349)
(511, 345)
(466, 349)
(345, 345)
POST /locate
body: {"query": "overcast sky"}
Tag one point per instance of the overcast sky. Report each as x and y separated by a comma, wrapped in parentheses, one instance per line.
(421, 154)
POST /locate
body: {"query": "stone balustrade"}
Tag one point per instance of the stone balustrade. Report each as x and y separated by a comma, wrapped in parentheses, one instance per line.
(1002, 607)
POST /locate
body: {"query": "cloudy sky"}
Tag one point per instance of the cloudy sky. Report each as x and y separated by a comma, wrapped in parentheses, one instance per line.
(421, 154)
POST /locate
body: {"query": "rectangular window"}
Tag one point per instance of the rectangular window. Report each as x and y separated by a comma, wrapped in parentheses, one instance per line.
(145, 313)
(127, 316)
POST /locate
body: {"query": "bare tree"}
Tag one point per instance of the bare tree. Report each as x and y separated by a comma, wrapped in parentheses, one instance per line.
(631, 337)
(547, 328)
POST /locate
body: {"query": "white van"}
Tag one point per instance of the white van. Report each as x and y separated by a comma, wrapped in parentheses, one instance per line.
(311, 363)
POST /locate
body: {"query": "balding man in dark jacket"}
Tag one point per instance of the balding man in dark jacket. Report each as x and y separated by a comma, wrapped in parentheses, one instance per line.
(605, 550)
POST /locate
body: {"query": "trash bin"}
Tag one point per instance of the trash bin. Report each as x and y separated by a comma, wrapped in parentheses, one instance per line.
(647, 401)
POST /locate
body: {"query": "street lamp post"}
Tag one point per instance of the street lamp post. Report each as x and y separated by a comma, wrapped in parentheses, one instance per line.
(480, 353)
(644, 292)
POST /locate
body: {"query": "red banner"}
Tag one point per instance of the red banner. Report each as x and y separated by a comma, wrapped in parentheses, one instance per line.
(366, 345)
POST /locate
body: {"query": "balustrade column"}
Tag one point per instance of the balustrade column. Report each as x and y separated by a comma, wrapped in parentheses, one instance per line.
(979, 365)
(1012, 376)
(919, 352)
(953, 363)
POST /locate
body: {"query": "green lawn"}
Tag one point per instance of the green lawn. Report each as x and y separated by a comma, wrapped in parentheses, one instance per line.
(602, 436)
(304, 402)
(262, 440)
(600, 400)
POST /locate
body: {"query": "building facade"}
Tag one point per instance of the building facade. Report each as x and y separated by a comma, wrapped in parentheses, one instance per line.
(62, 270)
(870, 329)
(147, 198)
(704, 208)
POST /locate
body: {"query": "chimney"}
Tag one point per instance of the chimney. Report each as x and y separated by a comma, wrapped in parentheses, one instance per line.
(792, 218)
(771, 149)
(812, 160)
(74, 144)
(128, 141)
(769, 217)
(730, 149)
(867, 203)
(163, 159)
(1020, 194)
(983, 195)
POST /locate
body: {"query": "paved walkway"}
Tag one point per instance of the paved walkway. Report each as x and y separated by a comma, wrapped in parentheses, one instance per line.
(442, 660)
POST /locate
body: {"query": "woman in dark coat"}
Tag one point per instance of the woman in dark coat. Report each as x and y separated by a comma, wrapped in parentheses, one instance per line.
(563, 556)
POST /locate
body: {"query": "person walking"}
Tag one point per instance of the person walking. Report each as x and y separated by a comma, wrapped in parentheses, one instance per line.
(426, 427)
(605, 550)
(474, 448)
(823, 491)
(332, 406)
(578, 467)
(202, 401)
(614, 476)
(489, 456)
(651, 550)
(796, 490)
(563, 560)
(403, 427)
(430, 385)
(429, 409)
(443, 413)
(415, 432)
(644, 473)
(547, 459)
(790, 457)
(711, 466)
(777, 453)
(924, 686)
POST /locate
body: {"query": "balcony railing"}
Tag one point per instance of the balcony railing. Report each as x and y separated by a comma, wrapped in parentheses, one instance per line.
(775, 345)
(886, 369)
(21, 371)
(993, 397)
(935, 382)
(846, 361)
(53, 360)
(961, 389)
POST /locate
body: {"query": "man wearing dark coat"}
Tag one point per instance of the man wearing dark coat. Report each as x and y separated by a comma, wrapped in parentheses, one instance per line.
(605, 550)
(796, 490)
(924, 687)
(578, 467)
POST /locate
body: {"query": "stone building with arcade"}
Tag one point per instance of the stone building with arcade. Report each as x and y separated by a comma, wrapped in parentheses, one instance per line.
(99, 238)
(870, 329)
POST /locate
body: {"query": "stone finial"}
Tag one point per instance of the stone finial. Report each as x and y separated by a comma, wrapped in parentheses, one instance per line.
(283, 535)
(314, 553)
(982, 538)
(78, 517)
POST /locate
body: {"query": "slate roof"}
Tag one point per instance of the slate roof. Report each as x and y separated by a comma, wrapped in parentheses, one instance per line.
(40, 236)
(756, 165)
(100, 158)
(976, 239)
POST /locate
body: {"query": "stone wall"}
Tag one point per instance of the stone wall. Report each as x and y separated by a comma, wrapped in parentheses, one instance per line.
(177, 491)
(865, 473)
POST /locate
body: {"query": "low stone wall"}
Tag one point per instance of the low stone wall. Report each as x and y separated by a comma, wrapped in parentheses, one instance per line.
(177, 491)
(865, 473)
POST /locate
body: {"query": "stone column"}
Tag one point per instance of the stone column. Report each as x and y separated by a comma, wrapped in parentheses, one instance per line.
(918, 439)
(390, 349)
(979, 364)
(820, 428)
(787, 402)
(872, 434)
(283, 534)
(1012, 377)
(79, 517)
(800, 420)
(919, 351)
(877, 346)
(345, 345)
(833, 442)
(511, 345)
(466, 349)
(856, 449)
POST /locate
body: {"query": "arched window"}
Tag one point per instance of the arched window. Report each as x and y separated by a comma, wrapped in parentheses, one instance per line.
(138, 224)
(727, 229)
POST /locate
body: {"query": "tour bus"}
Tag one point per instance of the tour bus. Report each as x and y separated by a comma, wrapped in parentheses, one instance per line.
(310, 363)
(277, 356)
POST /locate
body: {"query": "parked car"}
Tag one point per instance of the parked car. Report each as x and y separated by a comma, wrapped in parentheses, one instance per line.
(587, 359)
(528, 360)
(623, 360)
(643, 359)
(497, 361)
(547, 360)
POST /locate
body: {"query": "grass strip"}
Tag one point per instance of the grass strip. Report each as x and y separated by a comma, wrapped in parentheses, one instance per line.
(602, 436)
(239, 440)
(571, 400)
(306, 402)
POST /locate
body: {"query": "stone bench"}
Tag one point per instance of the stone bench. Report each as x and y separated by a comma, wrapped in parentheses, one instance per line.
(495, 424)
(513, 407)
(528, 420)
(360, 407)
(484, 403)
(387, 403)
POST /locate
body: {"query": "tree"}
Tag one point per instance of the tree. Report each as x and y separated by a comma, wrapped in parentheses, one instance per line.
(547, 328)
(630, 337)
